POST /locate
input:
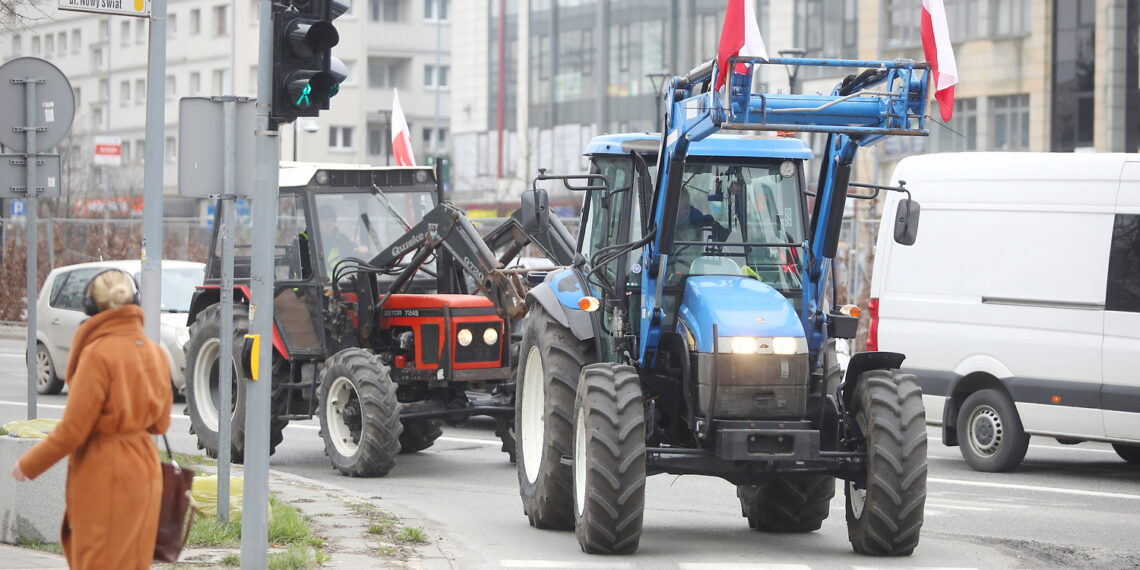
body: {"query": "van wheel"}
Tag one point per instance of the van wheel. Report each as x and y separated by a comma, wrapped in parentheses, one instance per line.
(990, 432)
(1129, 453)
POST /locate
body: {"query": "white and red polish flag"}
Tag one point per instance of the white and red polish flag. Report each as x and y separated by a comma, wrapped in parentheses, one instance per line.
(740, 36)
(401, 136)
(936, 46)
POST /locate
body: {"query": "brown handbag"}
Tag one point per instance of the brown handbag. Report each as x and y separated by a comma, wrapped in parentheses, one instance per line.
(177, 514)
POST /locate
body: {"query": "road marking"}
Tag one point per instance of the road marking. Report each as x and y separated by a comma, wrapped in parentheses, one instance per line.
(739, 566)
(1072, 448)
(1081, 492)
(561, 564)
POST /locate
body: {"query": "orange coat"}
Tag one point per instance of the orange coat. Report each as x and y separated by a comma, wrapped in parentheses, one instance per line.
(118, 393)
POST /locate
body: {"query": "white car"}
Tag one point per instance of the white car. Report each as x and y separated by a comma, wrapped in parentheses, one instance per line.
(59, 310)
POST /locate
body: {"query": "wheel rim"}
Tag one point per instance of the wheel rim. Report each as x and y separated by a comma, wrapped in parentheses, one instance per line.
(857, 498)
(580, 460)
(986, 431)
(533, 407)
(43, 368)
(205, 383)
(345, 423)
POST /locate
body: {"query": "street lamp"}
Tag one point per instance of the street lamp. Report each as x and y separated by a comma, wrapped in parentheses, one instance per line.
(658, 79)
(792, 70)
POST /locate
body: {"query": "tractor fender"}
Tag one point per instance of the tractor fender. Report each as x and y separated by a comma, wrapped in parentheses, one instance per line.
(862, 362)
(578, 321)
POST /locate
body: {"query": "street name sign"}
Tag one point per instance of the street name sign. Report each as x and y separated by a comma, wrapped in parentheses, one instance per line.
(137, 8)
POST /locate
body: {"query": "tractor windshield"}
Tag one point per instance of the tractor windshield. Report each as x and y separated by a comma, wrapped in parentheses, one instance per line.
(742, 218)
(361, 224)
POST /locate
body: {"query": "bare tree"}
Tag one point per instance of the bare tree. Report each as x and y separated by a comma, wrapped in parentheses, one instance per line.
(16, 15)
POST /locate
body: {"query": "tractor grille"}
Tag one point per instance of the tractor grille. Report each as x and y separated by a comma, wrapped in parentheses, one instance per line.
(479, 351)
(429, 343)
(754, 386)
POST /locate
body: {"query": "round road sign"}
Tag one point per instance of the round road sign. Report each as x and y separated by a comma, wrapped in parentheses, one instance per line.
(54, 104)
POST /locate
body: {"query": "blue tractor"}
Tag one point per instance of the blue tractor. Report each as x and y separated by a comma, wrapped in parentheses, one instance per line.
(693, 334)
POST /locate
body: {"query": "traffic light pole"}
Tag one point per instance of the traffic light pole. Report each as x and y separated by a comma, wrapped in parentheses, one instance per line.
(254, 520)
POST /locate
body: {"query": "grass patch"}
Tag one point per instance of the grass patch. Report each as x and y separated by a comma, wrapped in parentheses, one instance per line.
(233, 560)
(286, 526)
(412, 534)
(389, 551)
(185, 460)
(382, 527)
(51, 547)
(297, 557)
(209, 532)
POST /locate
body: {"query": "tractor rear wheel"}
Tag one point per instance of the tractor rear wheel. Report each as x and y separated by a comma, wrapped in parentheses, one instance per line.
(797, 504)
(551, 358)
(419, 435)
(609, 459)
(360, 416)
(884, 516)
(203, 392)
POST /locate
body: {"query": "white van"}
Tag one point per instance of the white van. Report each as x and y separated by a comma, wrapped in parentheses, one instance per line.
(1018, 307)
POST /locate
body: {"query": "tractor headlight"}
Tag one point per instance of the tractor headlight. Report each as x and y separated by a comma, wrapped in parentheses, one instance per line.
(785, 345)
(464, 337)
(744, 344)
(491, 335)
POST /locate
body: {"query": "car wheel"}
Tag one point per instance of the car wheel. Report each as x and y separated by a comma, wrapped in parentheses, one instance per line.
(47, 381)
(990, 432)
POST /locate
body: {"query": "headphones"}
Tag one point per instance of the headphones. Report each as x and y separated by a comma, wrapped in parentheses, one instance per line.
(91, 308)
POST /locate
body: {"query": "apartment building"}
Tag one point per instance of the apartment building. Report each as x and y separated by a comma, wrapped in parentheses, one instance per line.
(1058, 75)
(212, 50)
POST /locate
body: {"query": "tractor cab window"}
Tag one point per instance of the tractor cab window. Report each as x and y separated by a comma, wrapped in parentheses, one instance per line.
(361, 224)
(739, 219)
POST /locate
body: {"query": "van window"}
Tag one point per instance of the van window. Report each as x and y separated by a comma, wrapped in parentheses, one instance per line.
(1123, 293)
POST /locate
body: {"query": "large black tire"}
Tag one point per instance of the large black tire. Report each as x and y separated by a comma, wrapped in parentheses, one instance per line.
(360, 416)
(990, 432)
(884, 519)
(798, 504)
(609, 459)
(1129, 453)
(550, 361)
(48, 382)
(203, 395)
(419, 435)
(505, 431)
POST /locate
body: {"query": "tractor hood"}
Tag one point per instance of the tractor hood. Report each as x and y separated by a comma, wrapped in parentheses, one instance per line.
(738, 306)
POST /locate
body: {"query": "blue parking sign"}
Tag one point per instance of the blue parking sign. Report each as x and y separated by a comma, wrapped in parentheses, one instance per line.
(17, 208)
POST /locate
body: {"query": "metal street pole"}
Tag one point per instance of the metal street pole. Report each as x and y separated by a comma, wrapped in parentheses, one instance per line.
(152, 174)
(30, 214)
(254, 520)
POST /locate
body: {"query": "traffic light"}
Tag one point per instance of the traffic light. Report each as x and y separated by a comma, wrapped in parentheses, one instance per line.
(305, 74)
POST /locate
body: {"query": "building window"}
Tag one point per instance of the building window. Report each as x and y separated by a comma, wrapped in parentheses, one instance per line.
(36, 46)
(826, 28)
(383, 73)
(435, 76)
(49, 45)
(78, 91)
(219, 80)
(75, 40)
(340, 138)
(104, 31)
(140, 29)
(1009, 17)
(435, 10)
(104, 90)
(962, 18)
(97, 118)
(172, 25)
(140, 91)
(125, 33)
(124, 93)
(384, 10)
(377, 140)
(17, 44)
(126, 152)
(195, 82)
(195, 21)
(1010, 122)
(171, 149)
(903, 20)
(964, 136)
(171, 87)
(96, 57)
(221, 21)
(1123, 292)
(1074, 64)
(62, 43)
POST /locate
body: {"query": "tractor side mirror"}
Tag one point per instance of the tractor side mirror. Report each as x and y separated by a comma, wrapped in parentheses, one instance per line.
(906, 222)
(535, 210)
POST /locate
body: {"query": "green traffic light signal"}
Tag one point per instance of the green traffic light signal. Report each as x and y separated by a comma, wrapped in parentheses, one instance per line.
(303, 100)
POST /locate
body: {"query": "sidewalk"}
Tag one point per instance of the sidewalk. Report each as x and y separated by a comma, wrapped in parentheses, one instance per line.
(337, 516)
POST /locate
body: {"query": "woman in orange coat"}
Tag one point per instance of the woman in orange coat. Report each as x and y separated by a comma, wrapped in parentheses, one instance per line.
(118, 394)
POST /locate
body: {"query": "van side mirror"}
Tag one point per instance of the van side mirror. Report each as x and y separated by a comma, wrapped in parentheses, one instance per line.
(906, 222)
(535, 210)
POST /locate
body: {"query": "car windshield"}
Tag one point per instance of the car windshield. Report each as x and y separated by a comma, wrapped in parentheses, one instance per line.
(740, 218)
(177, 288)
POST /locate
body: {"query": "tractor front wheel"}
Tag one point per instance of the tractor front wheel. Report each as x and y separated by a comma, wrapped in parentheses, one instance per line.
(359, 413)
(884, 515)
(609, 459)
(797, 504)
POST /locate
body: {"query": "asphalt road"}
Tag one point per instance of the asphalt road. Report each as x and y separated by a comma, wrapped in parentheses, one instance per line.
(1067, 506)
